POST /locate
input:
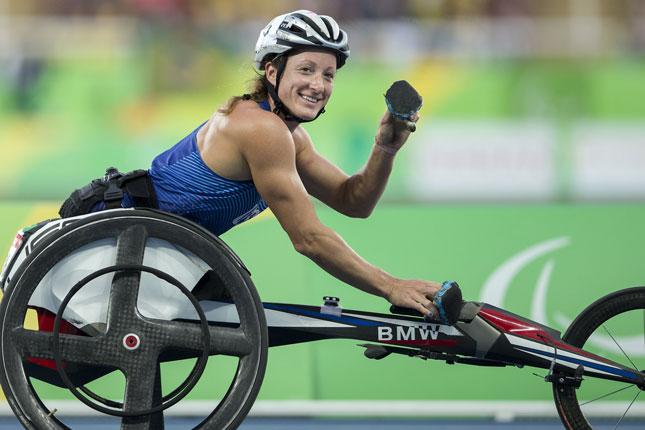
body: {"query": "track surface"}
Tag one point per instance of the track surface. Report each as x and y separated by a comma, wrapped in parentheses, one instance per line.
(346, 424)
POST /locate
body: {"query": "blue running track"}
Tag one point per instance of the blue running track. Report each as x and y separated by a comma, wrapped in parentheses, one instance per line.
(7, 423)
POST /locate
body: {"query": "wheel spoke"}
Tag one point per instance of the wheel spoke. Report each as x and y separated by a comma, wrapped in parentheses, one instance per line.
(76, 349)
(627, 410)
(143, 392)
(608, 394)
(125, 285)
(229, 341)
(188, 337)
(620, 347)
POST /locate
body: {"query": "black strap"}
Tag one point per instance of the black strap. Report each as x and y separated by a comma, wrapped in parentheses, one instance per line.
(139, 186)
(82, 200)
(113, 195)
(110, 190)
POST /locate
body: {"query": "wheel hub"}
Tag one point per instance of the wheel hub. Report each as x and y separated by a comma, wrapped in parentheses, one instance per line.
(131, 341)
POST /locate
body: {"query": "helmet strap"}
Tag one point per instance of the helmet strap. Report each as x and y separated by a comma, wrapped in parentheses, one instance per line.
(280, 107)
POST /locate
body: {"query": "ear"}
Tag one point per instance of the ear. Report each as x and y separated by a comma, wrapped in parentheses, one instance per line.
(271, 72)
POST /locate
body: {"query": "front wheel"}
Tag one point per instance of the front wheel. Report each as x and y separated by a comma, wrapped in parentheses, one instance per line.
(613, 327)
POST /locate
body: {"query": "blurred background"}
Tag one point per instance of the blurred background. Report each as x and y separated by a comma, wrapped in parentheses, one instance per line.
(531, 143)
(524, 100)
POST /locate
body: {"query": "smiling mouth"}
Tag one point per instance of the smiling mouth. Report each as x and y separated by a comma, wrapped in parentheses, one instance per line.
(309, 99)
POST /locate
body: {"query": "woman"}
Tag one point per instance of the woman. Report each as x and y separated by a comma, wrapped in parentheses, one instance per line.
(253, 153)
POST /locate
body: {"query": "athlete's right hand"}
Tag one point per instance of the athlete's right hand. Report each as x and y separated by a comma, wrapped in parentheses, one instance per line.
(415, 294)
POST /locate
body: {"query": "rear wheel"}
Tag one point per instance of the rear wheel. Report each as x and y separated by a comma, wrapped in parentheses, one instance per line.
(613, 327)
(143, 322)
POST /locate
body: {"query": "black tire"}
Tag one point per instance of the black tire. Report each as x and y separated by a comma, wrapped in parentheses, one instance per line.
(16, 382)
(591, 321)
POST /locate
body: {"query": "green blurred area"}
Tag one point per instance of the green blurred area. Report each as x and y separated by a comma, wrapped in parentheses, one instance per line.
(80, 117)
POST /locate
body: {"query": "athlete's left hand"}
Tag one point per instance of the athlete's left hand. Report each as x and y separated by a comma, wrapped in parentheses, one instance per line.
(393, 133)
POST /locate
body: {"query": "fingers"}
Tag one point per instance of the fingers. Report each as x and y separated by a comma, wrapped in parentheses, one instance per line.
(403, 125)
(417, 295)
(426, 308)
(432, 289)
(412, 124)
(429, 311)
(432, 312)
(420, 308)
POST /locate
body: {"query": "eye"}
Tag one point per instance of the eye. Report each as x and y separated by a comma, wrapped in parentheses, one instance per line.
(329, 76)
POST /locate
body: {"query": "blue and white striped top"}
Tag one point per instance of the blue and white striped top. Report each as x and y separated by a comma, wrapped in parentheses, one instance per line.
(186, 186)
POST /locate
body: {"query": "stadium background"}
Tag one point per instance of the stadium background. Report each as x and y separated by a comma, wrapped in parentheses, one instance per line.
(532, 135)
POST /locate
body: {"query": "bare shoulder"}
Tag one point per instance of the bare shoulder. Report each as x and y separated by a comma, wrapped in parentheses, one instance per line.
(302, 140)
(252, 126)
(300, 135)
(256, 132)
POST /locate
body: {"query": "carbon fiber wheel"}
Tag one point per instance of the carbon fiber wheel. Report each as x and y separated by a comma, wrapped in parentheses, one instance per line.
(131, 341)
(613, 327)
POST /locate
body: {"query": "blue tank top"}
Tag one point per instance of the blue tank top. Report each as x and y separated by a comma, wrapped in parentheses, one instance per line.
(186, 186)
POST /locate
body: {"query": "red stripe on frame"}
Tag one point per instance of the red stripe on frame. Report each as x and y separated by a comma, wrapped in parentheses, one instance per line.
(511, 325)
(422, 342)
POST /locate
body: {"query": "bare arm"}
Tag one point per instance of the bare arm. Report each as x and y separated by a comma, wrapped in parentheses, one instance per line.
(270, 153)
(355, 195)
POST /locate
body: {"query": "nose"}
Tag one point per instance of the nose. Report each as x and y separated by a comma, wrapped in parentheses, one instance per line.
(317, 83)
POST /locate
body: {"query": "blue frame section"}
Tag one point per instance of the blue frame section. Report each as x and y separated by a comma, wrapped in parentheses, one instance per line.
(613, 370)
(306, 312)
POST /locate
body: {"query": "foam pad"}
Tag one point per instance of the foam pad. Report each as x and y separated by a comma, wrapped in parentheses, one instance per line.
(449, 302)
(402, 100)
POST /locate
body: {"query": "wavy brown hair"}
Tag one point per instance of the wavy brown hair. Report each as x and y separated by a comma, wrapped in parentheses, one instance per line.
(257, 87)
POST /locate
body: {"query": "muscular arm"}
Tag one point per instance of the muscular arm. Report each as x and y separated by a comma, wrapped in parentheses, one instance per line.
(268, 149)
(271, 158)
(355, 195)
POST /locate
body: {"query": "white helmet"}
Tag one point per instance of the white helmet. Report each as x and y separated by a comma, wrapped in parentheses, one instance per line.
(298, 29)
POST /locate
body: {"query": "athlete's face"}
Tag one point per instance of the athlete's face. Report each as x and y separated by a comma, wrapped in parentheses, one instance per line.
(307, 82)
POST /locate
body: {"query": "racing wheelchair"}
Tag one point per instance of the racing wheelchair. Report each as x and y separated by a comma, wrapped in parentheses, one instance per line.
(127, 290)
